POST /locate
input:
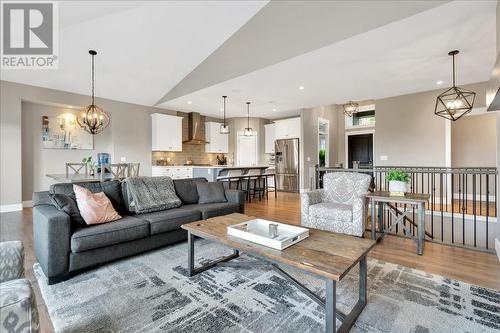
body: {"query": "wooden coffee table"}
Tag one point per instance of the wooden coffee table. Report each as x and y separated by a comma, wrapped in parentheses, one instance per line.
(327, 255)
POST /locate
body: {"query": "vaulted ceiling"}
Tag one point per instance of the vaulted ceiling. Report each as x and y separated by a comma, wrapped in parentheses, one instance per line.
(186, 55)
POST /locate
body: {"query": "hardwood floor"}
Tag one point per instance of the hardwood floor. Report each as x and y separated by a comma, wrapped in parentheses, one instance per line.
(470, 266)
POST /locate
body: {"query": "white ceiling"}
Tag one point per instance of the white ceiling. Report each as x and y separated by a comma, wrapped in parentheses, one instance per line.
(147, 48)
(407, 56)
(144, 48)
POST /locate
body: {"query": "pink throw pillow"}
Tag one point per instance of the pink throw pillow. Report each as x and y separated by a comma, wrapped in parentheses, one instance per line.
(95, 208)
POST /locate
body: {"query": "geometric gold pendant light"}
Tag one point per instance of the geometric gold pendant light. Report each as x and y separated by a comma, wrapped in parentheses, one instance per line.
(350, 108)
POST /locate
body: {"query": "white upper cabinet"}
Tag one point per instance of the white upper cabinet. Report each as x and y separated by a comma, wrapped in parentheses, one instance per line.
(166, 132)
(287, 128)
(218, 143)
(269, 148)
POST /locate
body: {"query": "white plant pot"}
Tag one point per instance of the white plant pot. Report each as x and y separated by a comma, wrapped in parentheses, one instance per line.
(395, 186)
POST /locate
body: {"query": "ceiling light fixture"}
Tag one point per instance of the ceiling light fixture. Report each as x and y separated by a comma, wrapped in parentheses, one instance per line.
(350, 108)
(189, 102)
(455, 102)
(439, 82)
(248, 130)
(274, 110)
(301, 88)
(224, 129)
(92, 118)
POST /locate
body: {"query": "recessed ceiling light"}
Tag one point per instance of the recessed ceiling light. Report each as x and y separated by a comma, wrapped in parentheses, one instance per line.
(274, 109)
(222, 109)
(189, 102)
(439, 82)
(301, 88)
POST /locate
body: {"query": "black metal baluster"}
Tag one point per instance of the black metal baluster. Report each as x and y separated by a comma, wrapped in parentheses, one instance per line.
(474, 206)
(452, 210)
(487, 206)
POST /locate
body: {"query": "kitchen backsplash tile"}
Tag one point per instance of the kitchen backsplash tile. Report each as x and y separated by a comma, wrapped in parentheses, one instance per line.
(194, 153)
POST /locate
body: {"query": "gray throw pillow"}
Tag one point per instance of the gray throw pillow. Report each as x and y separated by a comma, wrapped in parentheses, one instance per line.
(212, 192)
(67, 204)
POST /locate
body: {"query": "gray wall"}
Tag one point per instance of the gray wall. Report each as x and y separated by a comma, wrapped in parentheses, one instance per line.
(130, 131)
(37, 161)
(473, 141)
(409, 133)
(309, 134)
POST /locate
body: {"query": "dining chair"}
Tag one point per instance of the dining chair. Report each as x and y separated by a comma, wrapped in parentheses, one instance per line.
(117, 170)
(133, 169)
(76, 168)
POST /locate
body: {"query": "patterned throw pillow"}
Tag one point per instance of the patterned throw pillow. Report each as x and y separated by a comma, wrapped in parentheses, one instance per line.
(95, 208)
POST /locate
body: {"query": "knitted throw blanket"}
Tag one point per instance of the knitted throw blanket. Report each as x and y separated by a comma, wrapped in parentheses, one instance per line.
(151, 194)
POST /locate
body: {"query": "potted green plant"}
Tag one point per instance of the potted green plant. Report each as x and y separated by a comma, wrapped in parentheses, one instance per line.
(398, 182)
(90, 164)
(322, 157)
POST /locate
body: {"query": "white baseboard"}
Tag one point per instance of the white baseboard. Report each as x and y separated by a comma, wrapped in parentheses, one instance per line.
(11, 208)
(27, 204)
(497, 247)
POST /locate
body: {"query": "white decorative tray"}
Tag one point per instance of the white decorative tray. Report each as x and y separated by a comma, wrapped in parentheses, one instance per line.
(258, 231)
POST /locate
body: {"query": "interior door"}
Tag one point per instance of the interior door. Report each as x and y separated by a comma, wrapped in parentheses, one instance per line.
(360, 149)
(246, 150)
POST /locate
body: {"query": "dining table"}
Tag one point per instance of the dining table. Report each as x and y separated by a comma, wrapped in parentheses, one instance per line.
(80, 177)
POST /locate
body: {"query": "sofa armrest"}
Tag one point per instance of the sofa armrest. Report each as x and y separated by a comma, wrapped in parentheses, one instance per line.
(52, 238)
(236, 196)
(11, 261)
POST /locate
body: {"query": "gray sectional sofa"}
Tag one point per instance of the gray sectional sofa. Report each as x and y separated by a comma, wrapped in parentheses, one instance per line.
(63, 248)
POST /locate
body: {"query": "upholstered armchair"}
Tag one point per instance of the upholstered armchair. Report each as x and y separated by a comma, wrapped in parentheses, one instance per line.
(341, 206)
(18, 312)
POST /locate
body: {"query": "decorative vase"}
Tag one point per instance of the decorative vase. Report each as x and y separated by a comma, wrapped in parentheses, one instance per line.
(398, 188)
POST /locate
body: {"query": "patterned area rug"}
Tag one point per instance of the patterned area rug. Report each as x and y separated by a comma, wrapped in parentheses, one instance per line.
(151, 293)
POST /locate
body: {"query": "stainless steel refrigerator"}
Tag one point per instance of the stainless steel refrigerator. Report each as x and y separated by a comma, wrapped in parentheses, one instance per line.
(287, 164)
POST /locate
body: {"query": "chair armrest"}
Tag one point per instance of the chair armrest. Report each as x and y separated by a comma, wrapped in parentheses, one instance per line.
(359, 213)
(11, 261)
(52, 238)
(311, 197)
(236, 196)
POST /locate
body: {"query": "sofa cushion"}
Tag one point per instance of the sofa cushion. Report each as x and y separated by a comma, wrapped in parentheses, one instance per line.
(212, 192)
(186, 189)
(112, 189)
(68, 205)
(332, 211)
(215, 209)
(126, 229)
(171, 219)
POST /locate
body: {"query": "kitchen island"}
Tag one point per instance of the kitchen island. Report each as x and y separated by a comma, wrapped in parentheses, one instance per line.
(209, 172)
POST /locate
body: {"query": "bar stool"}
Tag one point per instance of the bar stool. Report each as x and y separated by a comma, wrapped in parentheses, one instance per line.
(255, 176)
(230, 177)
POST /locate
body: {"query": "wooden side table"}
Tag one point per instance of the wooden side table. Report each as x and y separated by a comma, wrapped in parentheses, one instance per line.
(413, 199)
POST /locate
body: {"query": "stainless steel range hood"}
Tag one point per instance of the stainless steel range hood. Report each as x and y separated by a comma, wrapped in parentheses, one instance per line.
(195, 133)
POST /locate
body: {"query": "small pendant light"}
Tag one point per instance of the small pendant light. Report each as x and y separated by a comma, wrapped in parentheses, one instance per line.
(455, 102)
(92, 118)
(248, 130)
(350, 108)
(224, 128)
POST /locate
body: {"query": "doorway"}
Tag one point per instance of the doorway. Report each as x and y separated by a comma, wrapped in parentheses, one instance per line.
(246, 150)
(360, 150)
